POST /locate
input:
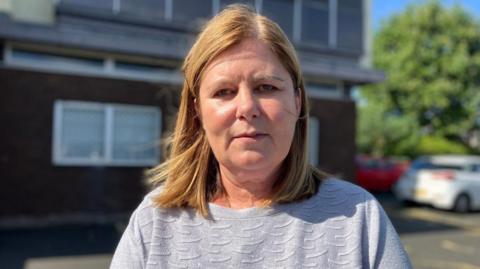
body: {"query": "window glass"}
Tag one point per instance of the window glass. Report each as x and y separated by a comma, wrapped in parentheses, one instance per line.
(315, 22)
(34, 57)
(323, 86)
(88, 133)
(191, 11)
(350, 24)
(323, 90)
(141, 68)
(95, 4)
(280, 11)
(83, 133)
(134, 134)
(351, 4)
(143, 8)
(224, 3)
(472, 168)
(423, 164)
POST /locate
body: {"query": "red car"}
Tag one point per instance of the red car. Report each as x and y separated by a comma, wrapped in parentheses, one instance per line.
(379, 175)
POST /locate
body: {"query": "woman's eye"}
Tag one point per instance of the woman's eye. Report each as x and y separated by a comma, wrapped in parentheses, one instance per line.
(267, 88)
(223, 93)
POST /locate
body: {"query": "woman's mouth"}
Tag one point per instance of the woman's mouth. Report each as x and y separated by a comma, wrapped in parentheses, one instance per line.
(251, 136)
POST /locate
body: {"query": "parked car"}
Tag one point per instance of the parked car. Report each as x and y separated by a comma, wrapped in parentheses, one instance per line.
(446, 182)
(378, 174)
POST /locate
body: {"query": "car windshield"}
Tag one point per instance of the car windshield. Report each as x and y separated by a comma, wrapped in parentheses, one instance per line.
(423, 164)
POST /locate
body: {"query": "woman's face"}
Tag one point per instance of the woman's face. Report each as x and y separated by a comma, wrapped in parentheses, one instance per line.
(248, 108)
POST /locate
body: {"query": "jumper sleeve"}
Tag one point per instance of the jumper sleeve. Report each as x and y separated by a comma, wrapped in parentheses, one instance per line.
(384, 247)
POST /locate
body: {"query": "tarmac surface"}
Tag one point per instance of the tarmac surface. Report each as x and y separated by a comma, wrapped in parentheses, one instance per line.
(58, 247)
(434, 239)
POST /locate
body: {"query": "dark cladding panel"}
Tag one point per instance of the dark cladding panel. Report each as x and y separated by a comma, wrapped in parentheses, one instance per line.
(336, 139)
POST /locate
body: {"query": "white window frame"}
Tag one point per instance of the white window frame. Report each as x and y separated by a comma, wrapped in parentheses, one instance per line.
(313, 140)
(107, 159)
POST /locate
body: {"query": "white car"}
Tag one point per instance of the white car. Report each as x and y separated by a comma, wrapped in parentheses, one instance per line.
(444, 181)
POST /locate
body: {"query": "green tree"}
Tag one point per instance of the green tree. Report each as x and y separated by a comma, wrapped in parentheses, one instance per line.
(380, 133)
(431, 58)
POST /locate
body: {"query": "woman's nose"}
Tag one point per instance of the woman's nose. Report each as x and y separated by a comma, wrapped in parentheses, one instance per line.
(247, 104)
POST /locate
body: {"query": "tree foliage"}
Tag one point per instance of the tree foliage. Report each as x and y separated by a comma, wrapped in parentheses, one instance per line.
(429, 145)
(431, 58)
(380, 133)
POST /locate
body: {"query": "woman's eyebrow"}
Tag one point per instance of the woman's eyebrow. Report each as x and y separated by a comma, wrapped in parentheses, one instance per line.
(219, 82)
(267, 77)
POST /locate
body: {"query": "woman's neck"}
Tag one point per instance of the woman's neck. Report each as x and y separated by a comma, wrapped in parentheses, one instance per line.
(244, 189)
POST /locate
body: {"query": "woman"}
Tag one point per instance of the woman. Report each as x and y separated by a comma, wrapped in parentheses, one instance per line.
(237, 190)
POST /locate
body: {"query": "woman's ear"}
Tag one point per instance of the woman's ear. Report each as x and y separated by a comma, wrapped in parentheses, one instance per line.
(197, 109)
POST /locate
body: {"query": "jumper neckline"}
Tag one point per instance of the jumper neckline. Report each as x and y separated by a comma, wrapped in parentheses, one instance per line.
(218, 212)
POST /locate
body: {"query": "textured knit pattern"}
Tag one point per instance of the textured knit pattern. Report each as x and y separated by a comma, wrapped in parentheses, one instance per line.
(342, 226)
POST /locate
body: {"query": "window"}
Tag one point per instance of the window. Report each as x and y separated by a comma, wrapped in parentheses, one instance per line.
(426, 164)
(473, 168)
(152, 9)
(42, 59)
(191, 11)
(95, 4)
(141, 68)
(350, 24)
(87, 133)
(313, 140)
(224, 3)
(280, 11)
(315, 22)
(323, 90)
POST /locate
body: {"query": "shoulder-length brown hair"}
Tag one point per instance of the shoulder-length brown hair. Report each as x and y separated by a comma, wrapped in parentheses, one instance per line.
(189, 175)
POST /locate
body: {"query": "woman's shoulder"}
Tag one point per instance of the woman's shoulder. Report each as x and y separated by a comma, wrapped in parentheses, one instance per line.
(339, 188)
(142, 217)
(341, 196)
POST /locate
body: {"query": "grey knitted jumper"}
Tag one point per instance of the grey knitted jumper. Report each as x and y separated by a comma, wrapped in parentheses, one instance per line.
(342, 226)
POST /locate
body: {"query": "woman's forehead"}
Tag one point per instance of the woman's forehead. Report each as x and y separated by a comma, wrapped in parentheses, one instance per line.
(249, 49)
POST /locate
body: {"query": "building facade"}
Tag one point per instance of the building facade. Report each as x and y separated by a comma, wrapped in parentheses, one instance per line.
(89, 89)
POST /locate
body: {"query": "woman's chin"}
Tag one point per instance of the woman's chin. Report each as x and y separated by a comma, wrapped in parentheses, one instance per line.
(253, 161)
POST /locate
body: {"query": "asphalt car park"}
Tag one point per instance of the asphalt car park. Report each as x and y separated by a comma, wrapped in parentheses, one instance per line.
(436, 238)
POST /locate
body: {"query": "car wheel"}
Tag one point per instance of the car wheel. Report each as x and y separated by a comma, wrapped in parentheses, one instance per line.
(462, 204)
